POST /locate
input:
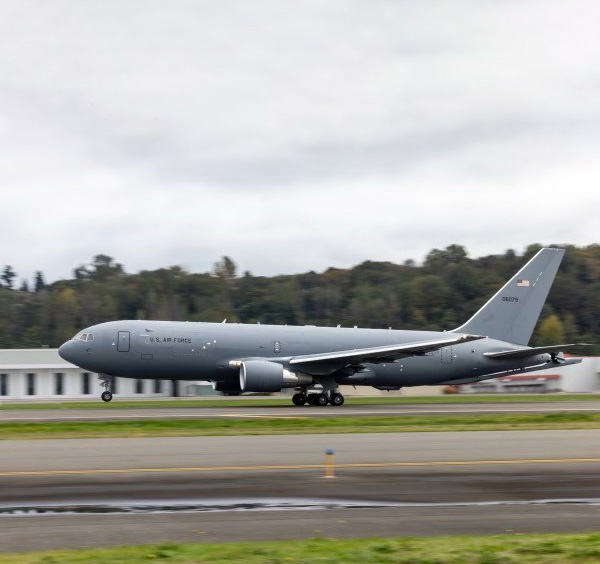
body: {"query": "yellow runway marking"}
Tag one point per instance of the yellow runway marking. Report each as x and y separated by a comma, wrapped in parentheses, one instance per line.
(296, 466)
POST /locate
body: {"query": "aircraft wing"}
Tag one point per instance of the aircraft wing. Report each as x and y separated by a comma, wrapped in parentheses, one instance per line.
(533, 351)
(387, 353)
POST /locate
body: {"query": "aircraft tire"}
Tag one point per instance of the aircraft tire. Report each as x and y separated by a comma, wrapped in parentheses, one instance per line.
(321, 400)
(336, 399)
(299, 399)
(106, 396)
(311, 399)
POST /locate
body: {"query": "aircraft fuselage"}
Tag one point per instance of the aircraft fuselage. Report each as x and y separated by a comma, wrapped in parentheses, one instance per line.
(204, 351)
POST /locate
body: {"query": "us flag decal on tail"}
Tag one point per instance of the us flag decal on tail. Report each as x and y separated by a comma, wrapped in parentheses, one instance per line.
(524, 283)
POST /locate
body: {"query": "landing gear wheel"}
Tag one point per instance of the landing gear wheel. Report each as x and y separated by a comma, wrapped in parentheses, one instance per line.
(299, 399)
(321, 400)
(311, 399)
(336, 399)
(107, 382)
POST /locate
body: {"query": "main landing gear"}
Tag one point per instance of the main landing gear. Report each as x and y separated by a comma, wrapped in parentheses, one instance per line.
(322, 399)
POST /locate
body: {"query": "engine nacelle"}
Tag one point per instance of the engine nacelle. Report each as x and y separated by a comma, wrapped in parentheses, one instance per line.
(266, 376)
(229, 388)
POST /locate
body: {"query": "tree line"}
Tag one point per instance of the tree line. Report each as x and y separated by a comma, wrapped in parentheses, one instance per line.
(441, 293)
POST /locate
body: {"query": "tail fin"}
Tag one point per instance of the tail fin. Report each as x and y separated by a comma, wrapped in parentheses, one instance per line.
(512, 313)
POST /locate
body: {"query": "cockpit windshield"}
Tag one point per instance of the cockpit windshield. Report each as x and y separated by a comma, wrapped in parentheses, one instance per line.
(83, 337)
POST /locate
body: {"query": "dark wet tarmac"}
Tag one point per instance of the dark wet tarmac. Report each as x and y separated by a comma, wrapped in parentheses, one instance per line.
(396, 484)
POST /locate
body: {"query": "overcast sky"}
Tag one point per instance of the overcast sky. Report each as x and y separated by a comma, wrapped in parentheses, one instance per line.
(294, 136)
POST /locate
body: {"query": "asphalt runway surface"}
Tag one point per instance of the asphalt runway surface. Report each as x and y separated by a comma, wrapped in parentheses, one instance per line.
(104, 413)
(273, 487)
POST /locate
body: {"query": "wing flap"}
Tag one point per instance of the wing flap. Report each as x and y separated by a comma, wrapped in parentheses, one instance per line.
(386, 353)
(533, 351)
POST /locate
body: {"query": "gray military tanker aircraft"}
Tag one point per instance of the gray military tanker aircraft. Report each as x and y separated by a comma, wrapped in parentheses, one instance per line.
(267, 358)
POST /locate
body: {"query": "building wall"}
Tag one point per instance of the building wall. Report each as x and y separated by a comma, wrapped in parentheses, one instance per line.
(45, 364)
(73, 388)
(583, 377)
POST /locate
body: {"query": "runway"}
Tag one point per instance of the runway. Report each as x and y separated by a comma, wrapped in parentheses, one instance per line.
(553, 476)
(105, 413)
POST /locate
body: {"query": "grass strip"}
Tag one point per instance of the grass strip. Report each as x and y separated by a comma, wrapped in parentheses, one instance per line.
(472, 549)
(283, 425)
(277, 401)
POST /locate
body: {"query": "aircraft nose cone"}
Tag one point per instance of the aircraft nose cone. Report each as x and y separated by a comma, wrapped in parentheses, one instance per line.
(65, 351)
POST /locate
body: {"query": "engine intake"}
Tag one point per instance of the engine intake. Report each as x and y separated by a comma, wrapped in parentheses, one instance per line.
(266, 376)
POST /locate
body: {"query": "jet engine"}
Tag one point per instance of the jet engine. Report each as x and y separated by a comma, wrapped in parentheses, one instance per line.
(266, 376)
(228, 388)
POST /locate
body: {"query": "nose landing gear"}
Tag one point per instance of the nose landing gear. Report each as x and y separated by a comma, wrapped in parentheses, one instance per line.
(107, 384)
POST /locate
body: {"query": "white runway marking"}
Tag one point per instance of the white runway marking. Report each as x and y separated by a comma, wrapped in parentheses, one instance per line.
(295, 415)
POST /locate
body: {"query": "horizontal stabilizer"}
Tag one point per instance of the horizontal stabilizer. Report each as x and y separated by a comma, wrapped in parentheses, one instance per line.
(511, 372)
(524, 353)
(382, 354)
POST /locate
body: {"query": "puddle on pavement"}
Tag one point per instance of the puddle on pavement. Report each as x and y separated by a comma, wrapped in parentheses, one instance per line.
(221, 505)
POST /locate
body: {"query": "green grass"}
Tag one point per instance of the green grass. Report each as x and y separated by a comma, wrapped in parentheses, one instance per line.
(298, 425)
(270, 401)
(497, 549)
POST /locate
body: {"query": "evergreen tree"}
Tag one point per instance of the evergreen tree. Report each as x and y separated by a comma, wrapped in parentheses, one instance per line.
(8, 276)
(39, 283)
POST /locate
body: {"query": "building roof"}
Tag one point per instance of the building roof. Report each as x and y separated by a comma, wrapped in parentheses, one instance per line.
(14, 359)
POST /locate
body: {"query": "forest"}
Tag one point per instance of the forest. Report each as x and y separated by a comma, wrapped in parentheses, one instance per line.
(441, 293)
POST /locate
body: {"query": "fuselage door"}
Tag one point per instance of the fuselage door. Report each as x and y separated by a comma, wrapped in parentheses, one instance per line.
(446, 355)
(123, 341)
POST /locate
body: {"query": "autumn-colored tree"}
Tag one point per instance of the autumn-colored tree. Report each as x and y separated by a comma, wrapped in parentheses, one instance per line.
(551, 331)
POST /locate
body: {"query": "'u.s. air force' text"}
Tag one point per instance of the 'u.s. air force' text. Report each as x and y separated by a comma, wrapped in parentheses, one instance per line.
(181, 340)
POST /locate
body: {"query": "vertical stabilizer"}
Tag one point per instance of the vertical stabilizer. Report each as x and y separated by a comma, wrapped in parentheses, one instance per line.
(512, 313)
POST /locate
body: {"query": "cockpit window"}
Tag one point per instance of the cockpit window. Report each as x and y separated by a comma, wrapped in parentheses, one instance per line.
(83, 337)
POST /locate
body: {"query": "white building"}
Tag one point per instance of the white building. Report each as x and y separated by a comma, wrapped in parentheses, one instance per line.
(33, 374)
